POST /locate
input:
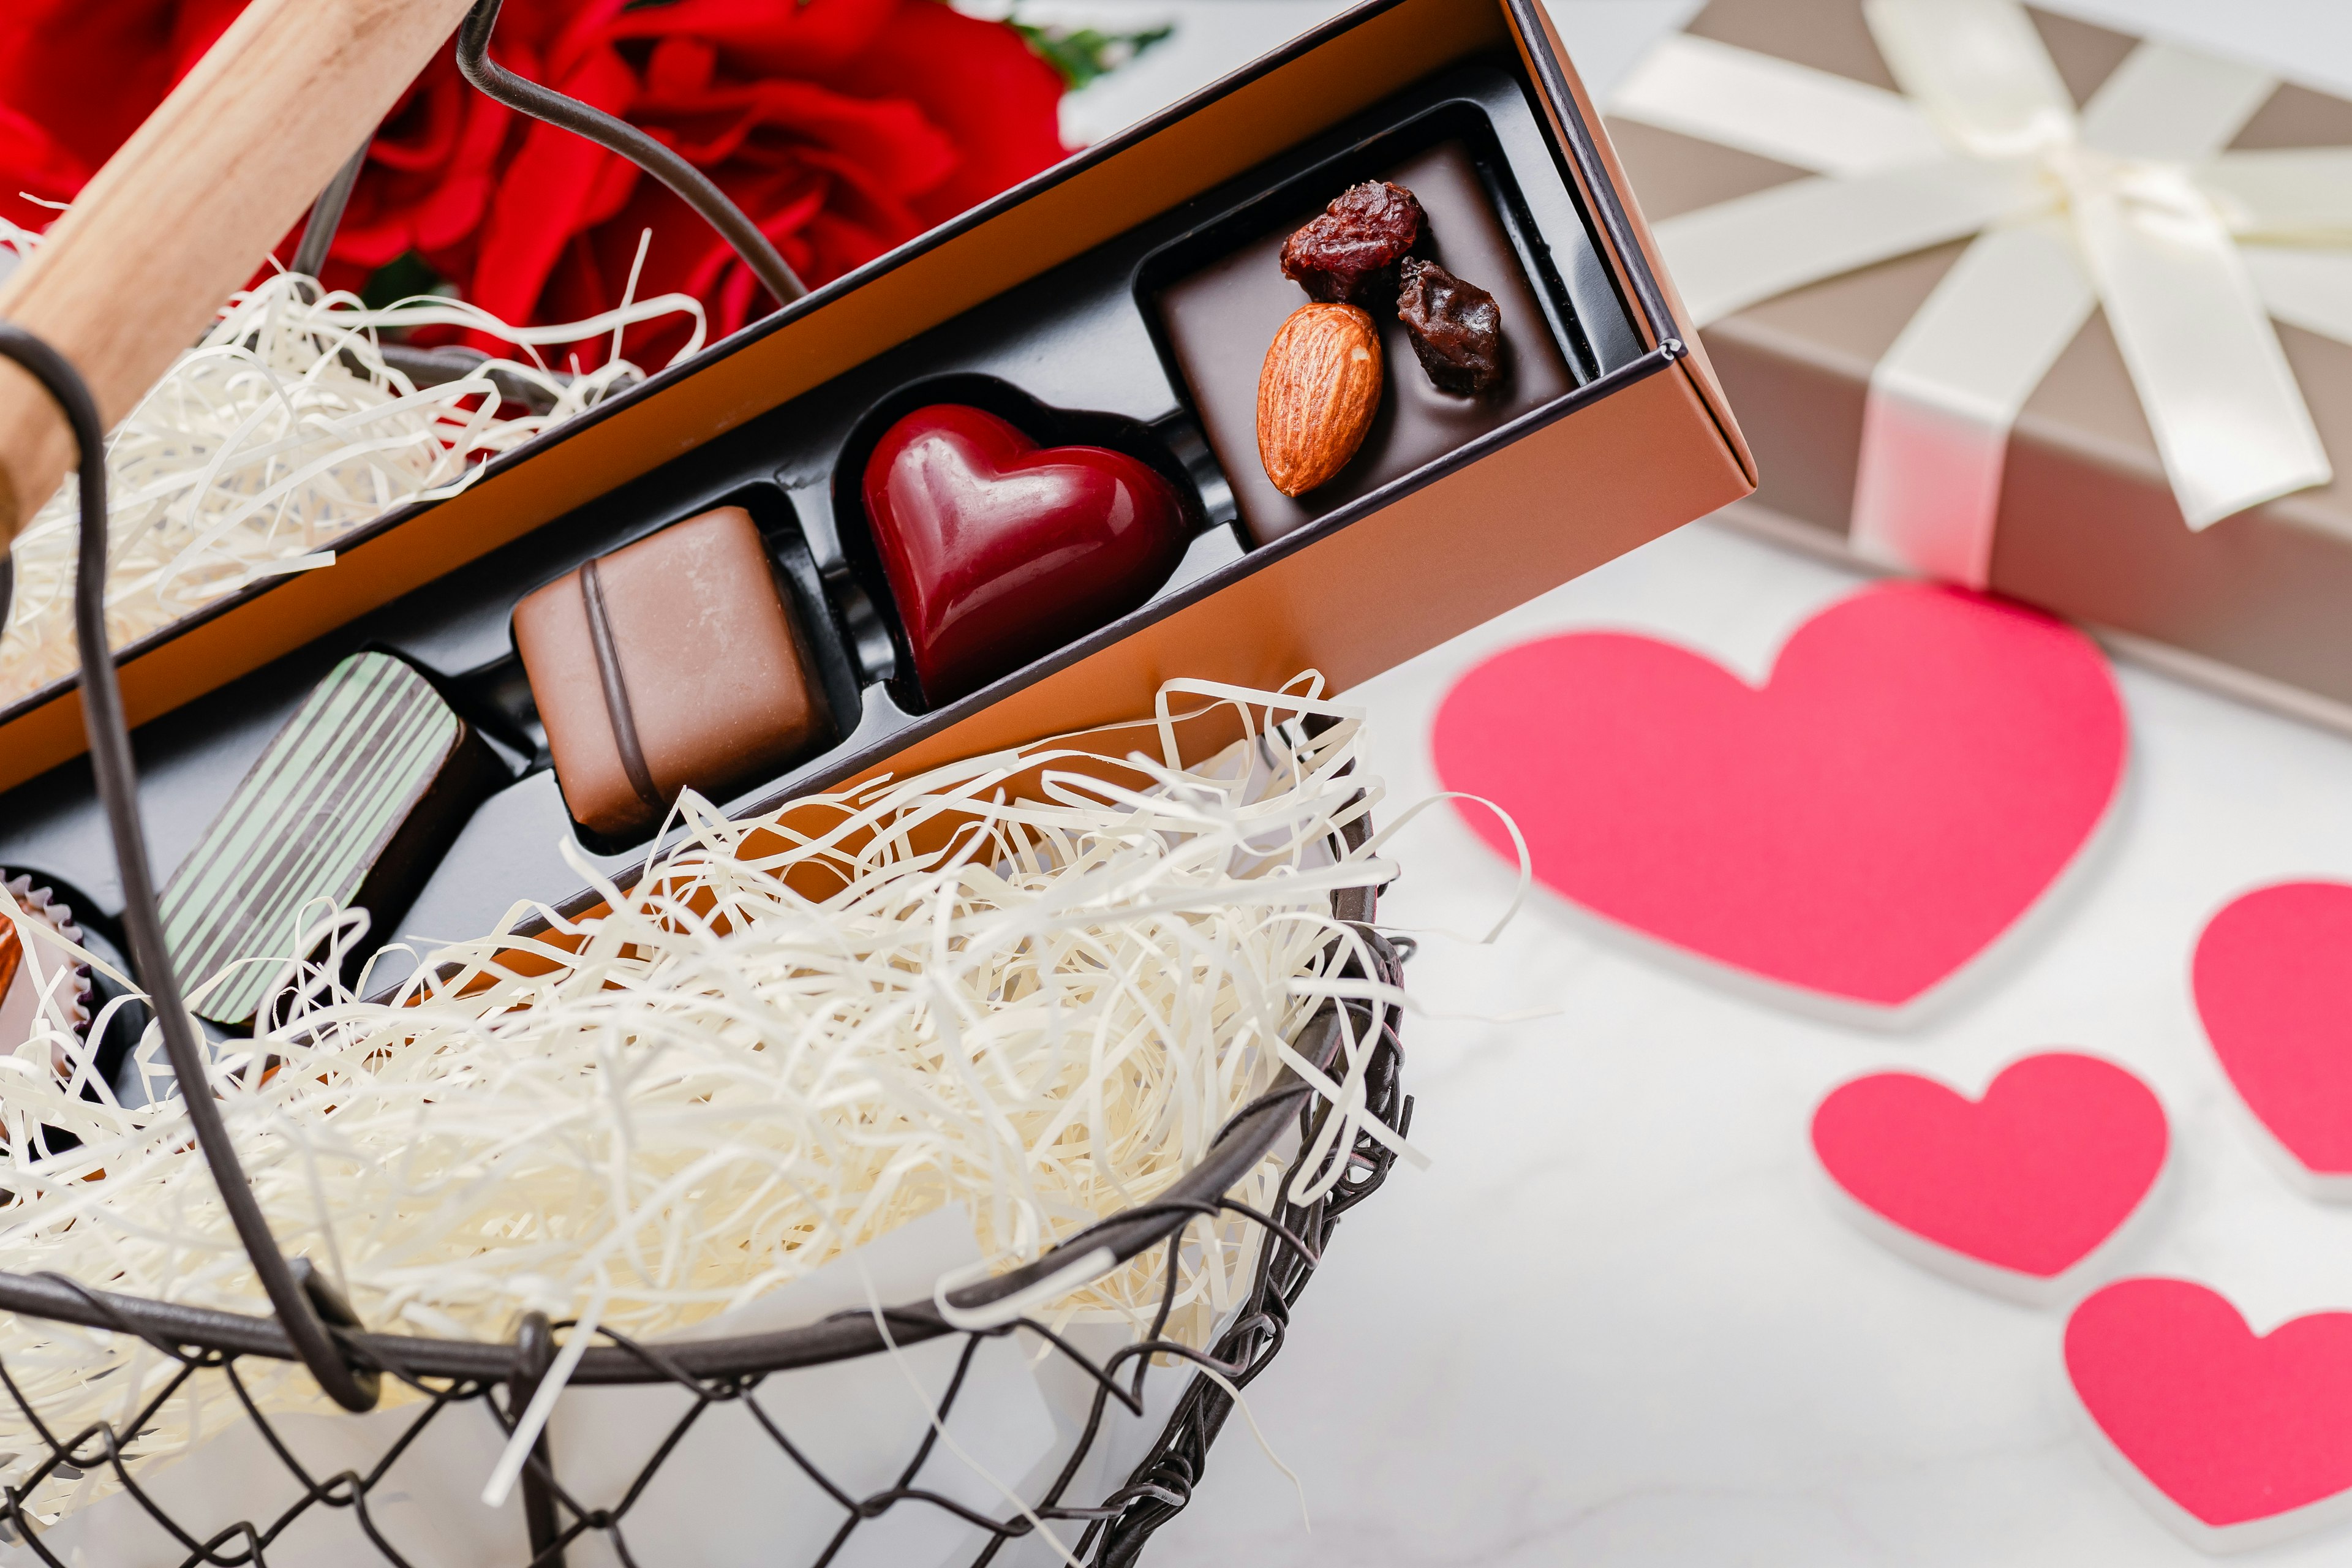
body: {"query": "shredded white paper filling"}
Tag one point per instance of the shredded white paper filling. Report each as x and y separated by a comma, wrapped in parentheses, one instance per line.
(796, 1033)
(277, 436)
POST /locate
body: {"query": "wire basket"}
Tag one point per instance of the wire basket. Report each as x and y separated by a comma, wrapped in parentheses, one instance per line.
(470, 1382)
(461, 1381)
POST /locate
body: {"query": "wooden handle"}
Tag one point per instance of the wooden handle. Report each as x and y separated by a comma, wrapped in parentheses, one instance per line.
(182, 217)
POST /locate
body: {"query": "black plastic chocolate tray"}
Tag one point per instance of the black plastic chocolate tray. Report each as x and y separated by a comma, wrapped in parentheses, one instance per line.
(1079, 355)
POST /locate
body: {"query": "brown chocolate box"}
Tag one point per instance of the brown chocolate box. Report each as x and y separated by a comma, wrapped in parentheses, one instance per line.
(2088, 526)
(1545, 495)
(1043, 305)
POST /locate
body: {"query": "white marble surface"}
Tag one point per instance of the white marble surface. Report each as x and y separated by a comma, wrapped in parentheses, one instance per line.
(1618, 1323)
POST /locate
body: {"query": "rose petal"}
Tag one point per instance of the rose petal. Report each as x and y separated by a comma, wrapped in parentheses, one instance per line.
(32, 163)
(542, 197)
(88, 71)
(982, 85)
(422, 129)
(814, 40)
(680, 67)
(890, 138)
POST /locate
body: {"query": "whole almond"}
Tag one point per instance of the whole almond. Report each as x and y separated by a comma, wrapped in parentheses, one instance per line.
(1316, 394)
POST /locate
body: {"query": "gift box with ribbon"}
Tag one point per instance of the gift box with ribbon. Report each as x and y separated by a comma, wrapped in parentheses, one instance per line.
(2022, 303)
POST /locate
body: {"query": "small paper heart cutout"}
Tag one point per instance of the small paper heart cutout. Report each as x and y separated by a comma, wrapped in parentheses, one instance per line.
(2273, 980)
(2240, 1439)
(2017, 1188)
(1921, 765)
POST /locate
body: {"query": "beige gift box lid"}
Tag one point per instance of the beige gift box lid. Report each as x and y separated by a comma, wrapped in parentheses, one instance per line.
(2088, 526)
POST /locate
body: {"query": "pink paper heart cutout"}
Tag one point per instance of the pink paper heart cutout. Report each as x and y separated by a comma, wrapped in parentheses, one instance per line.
(2273, 983)
(2230, 1426)
(1920, 767)
(2031, 1179)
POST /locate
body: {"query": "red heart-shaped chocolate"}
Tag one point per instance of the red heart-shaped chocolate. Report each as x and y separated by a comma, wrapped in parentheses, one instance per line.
(999, 552)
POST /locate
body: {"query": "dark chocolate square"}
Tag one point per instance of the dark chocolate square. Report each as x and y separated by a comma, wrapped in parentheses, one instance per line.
(1220, 320)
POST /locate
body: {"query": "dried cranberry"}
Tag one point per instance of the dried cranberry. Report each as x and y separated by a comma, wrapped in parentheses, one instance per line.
(1457, 329)
(1349, 253)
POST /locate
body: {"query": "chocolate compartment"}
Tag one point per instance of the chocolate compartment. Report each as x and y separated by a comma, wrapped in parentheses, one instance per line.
(1165, 447)
(1081, 353)
(503, 689)
(1217, 298)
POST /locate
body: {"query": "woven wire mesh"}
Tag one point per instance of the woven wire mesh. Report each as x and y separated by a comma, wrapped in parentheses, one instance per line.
(1110, 1531)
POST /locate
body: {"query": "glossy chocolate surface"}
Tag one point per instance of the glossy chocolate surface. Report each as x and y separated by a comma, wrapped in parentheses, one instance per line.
(999, 551)
(1219, 320)
(704, 673)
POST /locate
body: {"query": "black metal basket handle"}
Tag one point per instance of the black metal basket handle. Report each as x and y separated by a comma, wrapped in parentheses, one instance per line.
(303, 1298)
(692, 185)
(310, 1308)
(304, 1301)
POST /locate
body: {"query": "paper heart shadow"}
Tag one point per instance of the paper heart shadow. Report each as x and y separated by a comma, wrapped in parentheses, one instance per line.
(1921, 766)
(2273, 976)
(2235, 1440)
(2014, 1192)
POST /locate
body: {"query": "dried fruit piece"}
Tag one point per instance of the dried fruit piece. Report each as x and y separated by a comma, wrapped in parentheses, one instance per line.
(1316, 394)
(1349, 252)
(1457, 328)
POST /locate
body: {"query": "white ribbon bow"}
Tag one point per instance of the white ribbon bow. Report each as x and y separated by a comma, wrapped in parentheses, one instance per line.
(2130, 205)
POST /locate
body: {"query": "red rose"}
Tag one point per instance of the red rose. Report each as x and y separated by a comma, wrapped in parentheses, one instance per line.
(844, 127)
(38, 171)
(430, 174)
(75, 78)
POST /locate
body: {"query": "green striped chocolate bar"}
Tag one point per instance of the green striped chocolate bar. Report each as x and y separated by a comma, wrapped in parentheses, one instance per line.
(353, 800)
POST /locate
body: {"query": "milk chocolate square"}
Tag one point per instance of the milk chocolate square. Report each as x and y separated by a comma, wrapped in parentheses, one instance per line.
(674, 663)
